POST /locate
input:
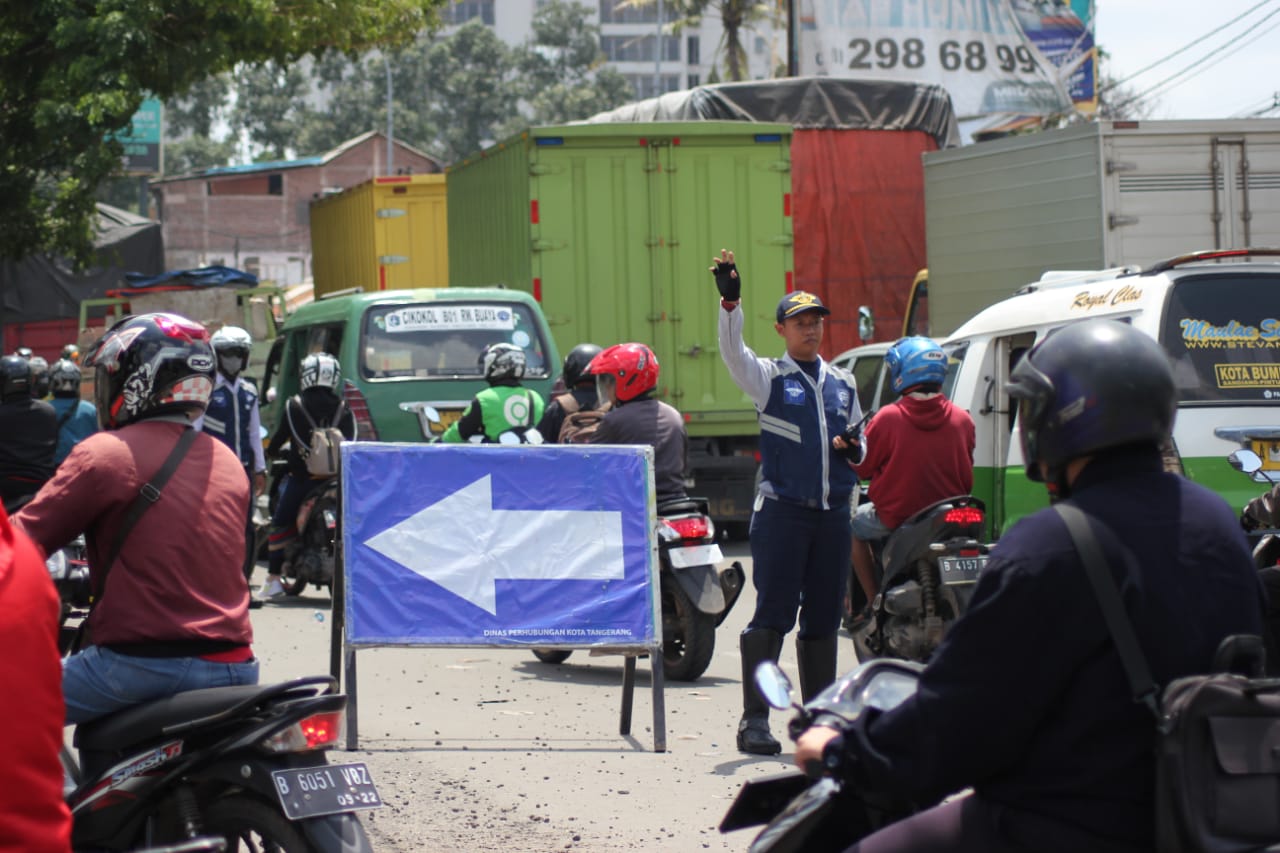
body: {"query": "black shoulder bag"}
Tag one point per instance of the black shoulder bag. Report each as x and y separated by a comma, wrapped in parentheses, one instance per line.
(1217, 734)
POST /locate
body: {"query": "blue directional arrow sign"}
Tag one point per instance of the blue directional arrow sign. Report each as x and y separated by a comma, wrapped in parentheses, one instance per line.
(493, 545)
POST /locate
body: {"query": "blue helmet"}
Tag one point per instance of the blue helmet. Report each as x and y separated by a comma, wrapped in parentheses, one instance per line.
(915, 361)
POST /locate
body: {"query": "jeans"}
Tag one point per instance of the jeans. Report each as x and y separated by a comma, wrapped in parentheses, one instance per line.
(98, 681)
(867, 525)
(284, 519)
(800, 559)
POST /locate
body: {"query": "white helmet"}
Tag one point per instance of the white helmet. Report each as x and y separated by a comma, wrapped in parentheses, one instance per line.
(231, 344)
(320, 369)
(502, 361)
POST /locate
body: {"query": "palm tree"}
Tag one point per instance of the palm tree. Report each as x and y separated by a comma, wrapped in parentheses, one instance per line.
(735, 15)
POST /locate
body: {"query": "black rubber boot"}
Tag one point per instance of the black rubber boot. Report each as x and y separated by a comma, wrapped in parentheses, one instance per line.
(817, 660)
(754, 737)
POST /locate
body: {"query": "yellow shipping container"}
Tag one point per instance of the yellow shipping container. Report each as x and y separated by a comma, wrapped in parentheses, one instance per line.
(385, 234)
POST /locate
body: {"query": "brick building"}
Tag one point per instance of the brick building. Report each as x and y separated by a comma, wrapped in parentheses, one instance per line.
(257, 217)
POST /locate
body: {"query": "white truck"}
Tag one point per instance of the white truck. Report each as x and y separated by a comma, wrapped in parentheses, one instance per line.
(1090, 197)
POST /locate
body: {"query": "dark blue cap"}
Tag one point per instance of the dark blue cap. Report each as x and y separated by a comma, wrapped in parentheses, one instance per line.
(799, 302)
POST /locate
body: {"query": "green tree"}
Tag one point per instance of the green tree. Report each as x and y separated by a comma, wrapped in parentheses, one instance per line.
(270, 107)
(197, 110)
(562, 72)
(468, 95)
(735, 17)
(72, 74)
(197, 153)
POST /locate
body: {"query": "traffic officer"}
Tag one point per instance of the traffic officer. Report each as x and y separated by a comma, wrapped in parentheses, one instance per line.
(800, 527)
(234, 418)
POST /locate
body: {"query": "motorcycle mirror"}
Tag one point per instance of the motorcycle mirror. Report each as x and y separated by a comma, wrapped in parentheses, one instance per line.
(772, 684)
(1246, 461)
(431, 414)
(866, 323)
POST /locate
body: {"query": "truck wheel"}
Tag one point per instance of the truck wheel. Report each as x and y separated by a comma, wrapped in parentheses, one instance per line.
(552, 655)
(688, 635)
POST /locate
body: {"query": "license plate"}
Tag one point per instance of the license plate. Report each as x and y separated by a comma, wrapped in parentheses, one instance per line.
(325, 789)
(1268, 451)
(961, 569)
(694, 555)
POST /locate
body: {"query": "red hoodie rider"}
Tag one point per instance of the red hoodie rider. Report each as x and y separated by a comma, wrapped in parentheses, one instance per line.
(919, 450)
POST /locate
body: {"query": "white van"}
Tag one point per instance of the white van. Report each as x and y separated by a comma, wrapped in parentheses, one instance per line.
(1217, 314)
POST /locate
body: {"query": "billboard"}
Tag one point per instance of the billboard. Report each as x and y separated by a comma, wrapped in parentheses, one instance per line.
(1063, 32)
(142, 146)
(976, 49)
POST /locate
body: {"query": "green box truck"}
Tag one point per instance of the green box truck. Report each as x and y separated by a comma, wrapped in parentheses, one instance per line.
(612, 229)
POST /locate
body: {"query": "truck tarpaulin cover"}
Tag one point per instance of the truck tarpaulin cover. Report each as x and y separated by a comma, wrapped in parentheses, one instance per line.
(213, 276)
(856, 179)
(40, 287)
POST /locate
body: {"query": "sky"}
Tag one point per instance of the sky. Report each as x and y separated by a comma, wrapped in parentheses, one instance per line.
(1246, 79)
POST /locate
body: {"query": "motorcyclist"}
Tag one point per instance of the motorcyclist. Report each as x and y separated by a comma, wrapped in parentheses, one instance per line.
(233, 417)
(33, 814)
(919, 451)
(28, 433)
(39, 377)
(319, 401)
(25, 353)
(71, 353)
(580, 392)
(171, 610)
(1026, 700)
(77, 418)
(505, 406)
(626, 376)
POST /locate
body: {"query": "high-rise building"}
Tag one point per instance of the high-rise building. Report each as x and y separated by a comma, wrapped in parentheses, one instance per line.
(653, 62)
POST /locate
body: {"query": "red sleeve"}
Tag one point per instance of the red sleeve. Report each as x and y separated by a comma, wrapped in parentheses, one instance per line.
(70, 502)
(33, 815)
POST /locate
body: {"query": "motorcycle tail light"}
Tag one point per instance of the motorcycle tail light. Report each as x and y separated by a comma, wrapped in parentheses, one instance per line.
(692, 527)
(319, 731)
(963, 515)
(359, 406)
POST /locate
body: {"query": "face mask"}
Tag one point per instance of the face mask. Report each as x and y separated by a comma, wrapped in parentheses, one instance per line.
(232, 365)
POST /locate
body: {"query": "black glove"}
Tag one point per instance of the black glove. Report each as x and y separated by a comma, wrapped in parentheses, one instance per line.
(852, 436)
(728, 281)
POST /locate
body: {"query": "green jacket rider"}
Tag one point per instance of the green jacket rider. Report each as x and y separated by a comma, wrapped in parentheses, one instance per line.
(505, 406)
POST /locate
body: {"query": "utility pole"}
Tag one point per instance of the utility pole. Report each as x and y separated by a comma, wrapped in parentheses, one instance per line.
(793, 41)
(657, 56)
(386, 61)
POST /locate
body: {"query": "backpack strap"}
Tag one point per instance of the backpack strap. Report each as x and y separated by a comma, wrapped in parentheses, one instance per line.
(148, 495)
(303, 450)
(66, 416)
(1104, 589)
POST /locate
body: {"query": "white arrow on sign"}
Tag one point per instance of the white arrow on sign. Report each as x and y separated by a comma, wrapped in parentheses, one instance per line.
(465, 545)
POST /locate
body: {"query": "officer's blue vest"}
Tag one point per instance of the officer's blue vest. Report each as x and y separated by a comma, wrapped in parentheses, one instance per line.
(797, 464)
(228, 418)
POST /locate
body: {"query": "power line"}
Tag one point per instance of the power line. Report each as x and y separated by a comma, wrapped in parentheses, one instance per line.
(1234, 44)
(1223, 58)
(1187, 46)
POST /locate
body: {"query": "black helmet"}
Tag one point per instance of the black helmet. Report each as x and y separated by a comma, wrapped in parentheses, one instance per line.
(39, 377)
(64, 378)
(575, 364)
(15, 378)
(1088, 387)
(152, 364)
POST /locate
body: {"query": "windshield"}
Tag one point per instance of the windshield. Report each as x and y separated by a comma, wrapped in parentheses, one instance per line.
(441, 340)
(1222, 333)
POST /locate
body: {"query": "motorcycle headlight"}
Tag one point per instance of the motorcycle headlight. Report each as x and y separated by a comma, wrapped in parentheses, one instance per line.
(57, 565)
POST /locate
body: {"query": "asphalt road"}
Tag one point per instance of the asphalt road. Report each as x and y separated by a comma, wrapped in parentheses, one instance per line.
(489, 749)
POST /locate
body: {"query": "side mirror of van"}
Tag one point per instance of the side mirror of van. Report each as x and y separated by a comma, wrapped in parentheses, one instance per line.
(866, 323)
(1246, 461)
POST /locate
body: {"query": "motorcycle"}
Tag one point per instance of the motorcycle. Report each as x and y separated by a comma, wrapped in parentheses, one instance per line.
(931, 564)
(695, 595)
(311, 558)
(69, 570)
(245, 764)
(817, 811)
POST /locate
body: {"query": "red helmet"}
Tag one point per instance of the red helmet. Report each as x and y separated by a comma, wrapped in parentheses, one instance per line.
(633, 367)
